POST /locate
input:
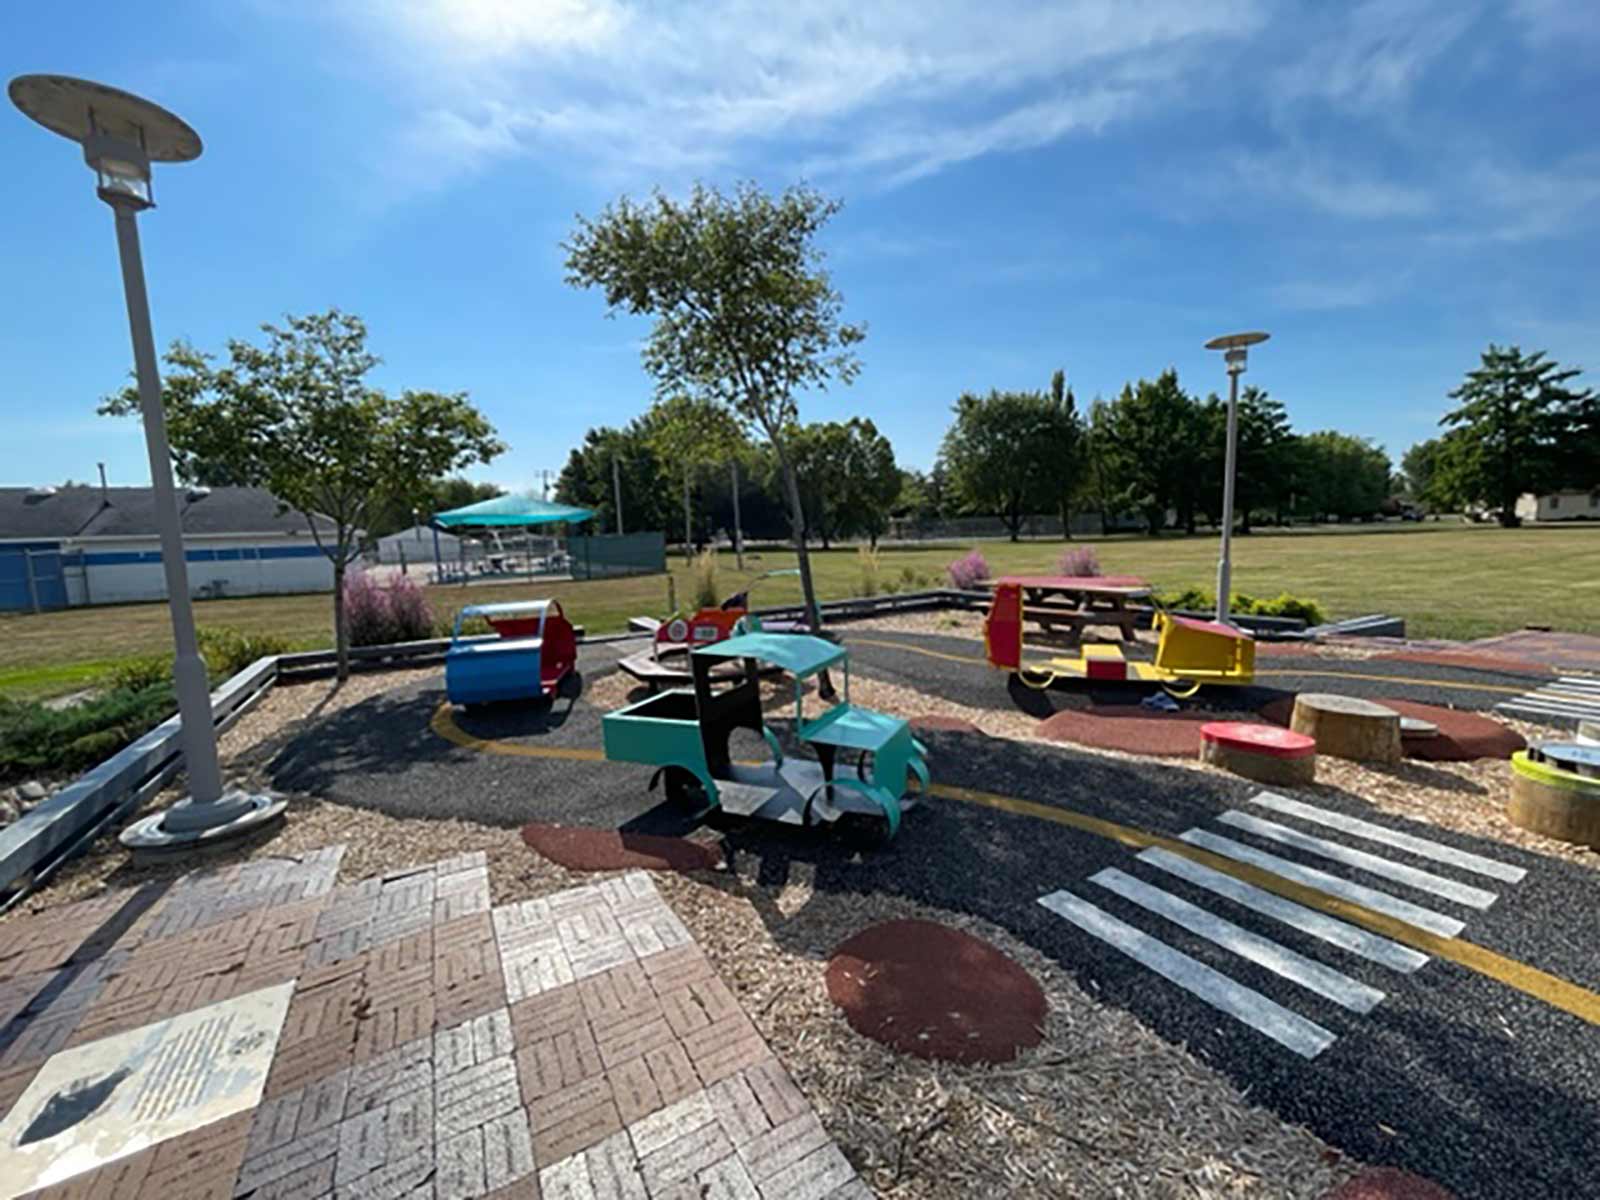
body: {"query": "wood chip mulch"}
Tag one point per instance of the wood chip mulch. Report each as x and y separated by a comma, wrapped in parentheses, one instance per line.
(1388, 1183)
(1463, 736)
(580, 849)
(931, 991)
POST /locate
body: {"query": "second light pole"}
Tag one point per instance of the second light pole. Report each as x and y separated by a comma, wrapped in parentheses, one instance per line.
(1235, 348)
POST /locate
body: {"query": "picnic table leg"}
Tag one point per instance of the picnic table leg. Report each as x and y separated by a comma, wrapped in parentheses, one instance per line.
(1125, 619)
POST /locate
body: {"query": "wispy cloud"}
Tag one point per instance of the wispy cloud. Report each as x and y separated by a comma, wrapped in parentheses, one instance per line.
(1316, 295)
(1341, 187)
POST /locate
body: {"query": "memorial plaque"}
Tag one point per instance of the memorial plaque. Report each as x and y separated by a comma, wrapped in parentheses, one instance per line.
(102, 1101)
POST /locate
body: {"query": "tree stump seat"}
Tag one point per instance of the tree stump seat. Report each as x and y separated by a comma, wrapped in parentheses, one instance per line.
(1555, 802)
(1264, 753)
(1346, 727)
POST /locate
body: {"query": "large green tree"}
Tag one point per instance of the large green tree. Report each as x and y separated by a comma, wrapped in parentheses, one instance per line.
(1000, 455)
(296, 415)
(1066, 446)
(1518, 424)
(689, 435)
(848, 479)
(1262, 473)
(745, 315)
(1148, 442)
(1341, 476)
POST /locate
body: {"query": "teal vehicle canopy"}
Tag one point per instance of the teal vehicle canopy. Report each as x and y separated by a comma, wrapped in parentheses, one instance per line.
(798, 654)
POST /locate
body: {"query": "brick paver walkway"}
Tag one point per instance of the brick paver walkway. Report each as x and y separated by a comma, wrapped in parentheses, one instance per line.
(578, 1047)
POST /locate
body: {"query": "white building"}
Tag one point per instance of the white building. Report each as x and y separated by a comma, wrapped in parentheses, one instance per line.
(87, 545)
(415, 547)
(1559, 506)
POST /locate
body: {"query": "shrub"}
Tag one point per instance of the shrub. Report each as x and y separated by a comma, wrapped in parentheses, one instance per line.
(909, 577)
(1282, 605)
(703, 579)
(871, 569)
(35, 739)
(1078, 560)
(376, 615)
(968, 571)
(229, 651)
(1286, 605)
(135, 673)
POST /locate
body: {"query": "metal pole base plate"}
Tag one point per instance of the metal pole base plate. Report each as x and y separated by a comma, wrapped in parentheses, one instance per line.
(187, 825)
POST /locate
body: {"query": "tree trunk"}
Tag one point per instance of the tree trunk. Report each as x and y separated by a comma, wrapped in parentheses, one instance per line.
(341, 636)
(688, 533)
(797, 518)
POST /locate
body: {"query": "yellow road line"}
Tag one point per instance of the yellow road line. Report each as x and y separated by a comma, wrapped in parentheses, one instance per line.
(1552, 989)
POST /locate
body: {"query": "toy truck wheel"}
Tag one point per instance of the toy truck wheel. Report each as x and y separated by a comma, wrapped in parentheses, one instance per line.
(683, 788)
(867, 763)
(870, 832)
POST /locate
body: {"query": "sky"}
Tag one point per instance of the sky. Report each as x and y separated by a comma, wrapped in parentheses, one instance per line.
(1094, 185)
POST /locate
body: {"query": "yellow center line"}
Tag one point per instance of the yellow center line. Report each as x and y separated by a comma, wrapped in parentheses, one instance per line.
(1552, 989)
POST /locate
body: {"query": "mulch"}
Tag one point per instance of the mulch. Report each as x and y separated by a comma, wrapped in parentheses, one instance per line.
(931, 991)
(1129, 728)
(1388, 1183)
(580, 849)
(1463, 736)
(942, 724)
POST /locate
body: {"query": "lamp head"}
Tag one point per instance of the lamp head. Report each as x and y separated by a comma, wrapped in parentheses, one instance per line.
(121, 134)
(1236, 348)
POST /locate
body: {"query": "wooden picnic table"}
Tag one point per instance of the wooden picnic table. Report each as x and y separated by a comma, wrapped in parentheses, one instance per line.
(1079, 601)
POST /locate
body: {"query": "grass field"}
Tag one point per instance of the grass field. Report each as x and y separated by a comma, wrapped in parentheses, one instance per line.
(1447, 580)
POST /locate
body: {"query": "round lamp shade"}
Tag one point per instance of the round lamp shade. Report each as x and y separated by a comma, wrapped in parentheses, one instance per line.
(76, 108)
(1233, 341)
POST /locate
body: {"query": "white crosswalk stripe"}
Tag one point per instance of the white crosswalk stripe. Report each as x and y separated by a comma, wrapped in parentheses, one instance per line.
(1421, 847)
(1264, 952)
(1284, 1026)
(1374, 864)
(1245, 901)
(1567, 701)
(1307, 920)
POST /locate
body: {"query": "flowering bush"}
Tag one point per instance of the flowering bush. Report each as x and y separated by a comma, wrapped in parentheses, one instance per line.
(1078, 560)
(375, 615)
(968, 571)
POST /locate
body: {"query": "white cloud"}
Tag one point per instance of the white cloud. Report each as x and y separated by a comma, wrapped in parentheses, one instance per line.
(1310, 295)
(1557, 23)
(896, 89)
(1337, 188)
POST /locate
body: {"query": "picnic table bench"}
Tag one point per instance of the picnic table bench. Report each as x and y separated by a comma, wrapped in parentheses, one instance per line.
(1078, 601)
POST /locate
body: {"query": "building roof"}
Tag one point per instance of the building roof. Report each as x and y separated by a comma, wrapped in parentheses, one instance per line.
(418, 535)
(89, 512)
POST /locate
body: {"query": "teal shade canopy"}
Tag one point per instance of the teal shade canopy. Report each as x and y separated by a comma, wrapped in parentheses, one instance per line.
(525, 509)
(799, 654)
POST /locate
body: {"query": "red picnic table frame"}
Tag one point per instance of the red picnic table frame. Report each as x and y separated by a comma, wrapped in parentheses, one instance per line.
(1081, 600)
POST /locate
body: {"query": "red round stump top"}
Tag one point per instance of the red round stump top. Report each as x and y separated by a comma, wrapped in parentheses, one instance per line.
(1271, 741)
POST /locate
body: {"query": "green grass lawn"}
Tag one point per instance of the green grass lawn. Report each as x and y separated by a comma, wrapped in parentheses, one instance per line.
(1447, 580)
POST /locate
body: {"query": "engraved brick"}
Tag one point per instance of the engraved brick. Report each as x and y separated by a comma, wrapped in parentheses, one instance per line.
(394, 1180)
(535, 968)
(454, 1005)
(782, 1146)
(409, 1123)
(685, 1157)
(465, 861)
(614, 1169)
(854, 1190)
(308, 1061)
(726, 1180)
(316, 1011)
(284, 1160)
(674, 1076)
(575, 1133)
(634, 1037)
(738, 1111)
(671, 1123)
(547, 1013)
(595, 957)
(469, 1098)
(568, 1101)
(576, 899)
(34, 1039)
(452, 1049)
(524, 915)
(719, 1050)
(633, 1088)
(567, 1179)
(384, 1028)
(334, 947)
(491, 1035)
(404, 1069)
(507, 1149)
(812, 1177)
(273, 1123)
(780, 1099)
(322, 1103)
(676, 968)
(363, 1146)
(460, 1169)
(552, 1063)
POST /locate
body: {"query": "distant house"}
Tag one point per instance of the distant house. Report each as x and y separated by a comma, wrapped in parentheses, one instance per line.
(1559, 506)
(418, 545)
(67, 546)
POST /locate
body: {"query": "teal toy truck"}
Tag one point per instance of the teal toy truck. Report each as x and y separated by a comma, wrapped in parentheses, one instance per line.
(866, 760)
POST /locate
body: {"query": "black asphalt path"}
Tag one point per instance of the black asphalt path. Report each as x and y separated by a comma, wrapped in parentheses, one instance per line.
(1458, 1077)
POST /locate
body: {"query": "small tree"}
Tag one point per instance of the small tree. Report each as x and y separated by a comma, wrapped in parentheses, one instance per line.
(687, 434)
(1000, 455)
(745, 316)
(297, 417)
(1515, 422)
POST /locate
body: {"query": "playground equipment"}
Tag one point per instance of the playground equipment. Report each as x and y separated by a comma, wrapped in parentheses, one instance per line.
(1189, 653)
(681, 633)
(684, 733)
(1555, 790)
(536, 649)
(1264, 753)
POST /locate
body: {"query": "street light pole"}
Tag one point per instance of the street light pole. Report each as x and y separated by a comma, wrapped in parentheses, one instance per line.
(1235, 348)
(121, 135)
(188, 668)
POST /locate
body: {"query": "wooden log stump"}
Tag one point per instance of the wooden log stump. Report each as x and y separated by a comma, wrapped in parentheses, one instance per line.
(1346, 727)
(1556, 803)
(1264, 753)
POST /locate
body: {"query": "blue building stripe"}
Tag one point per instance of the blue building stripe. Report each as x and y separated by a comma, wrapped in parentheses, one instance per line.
(120, 558)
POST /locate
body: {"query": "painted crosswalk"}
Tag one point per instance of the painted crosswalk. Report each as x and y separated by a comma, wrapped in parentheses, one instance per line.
(1566, 702)
(1245, 922)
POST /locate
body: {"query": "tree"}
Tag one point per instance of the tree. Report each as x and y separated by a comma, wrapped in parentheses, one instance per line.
(587, 480)
(1066, 449)
(436, 496)
(1342, 476)
(1147, 442)
(745, 315)
(688, 434)
(999, 453)
(848, 478)
(1515, 416)
(296, 416)
(1263, 436)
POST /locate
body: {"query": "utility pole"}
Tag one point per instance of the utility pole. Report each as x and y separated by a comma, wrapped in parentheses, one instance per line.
(738, 532)
(616, 487)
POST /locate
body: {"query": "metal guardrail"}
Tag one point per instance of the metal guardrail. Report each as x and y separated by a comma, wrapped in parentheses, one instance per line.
(38, 841)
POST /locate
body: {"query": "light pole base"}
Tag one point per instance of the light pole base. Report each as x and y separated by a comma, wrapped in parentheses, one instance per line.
(190, 826)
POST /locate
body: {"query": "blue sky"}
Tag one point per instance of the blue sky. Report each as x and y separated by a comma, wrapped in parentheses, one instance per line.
(1098, 186)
